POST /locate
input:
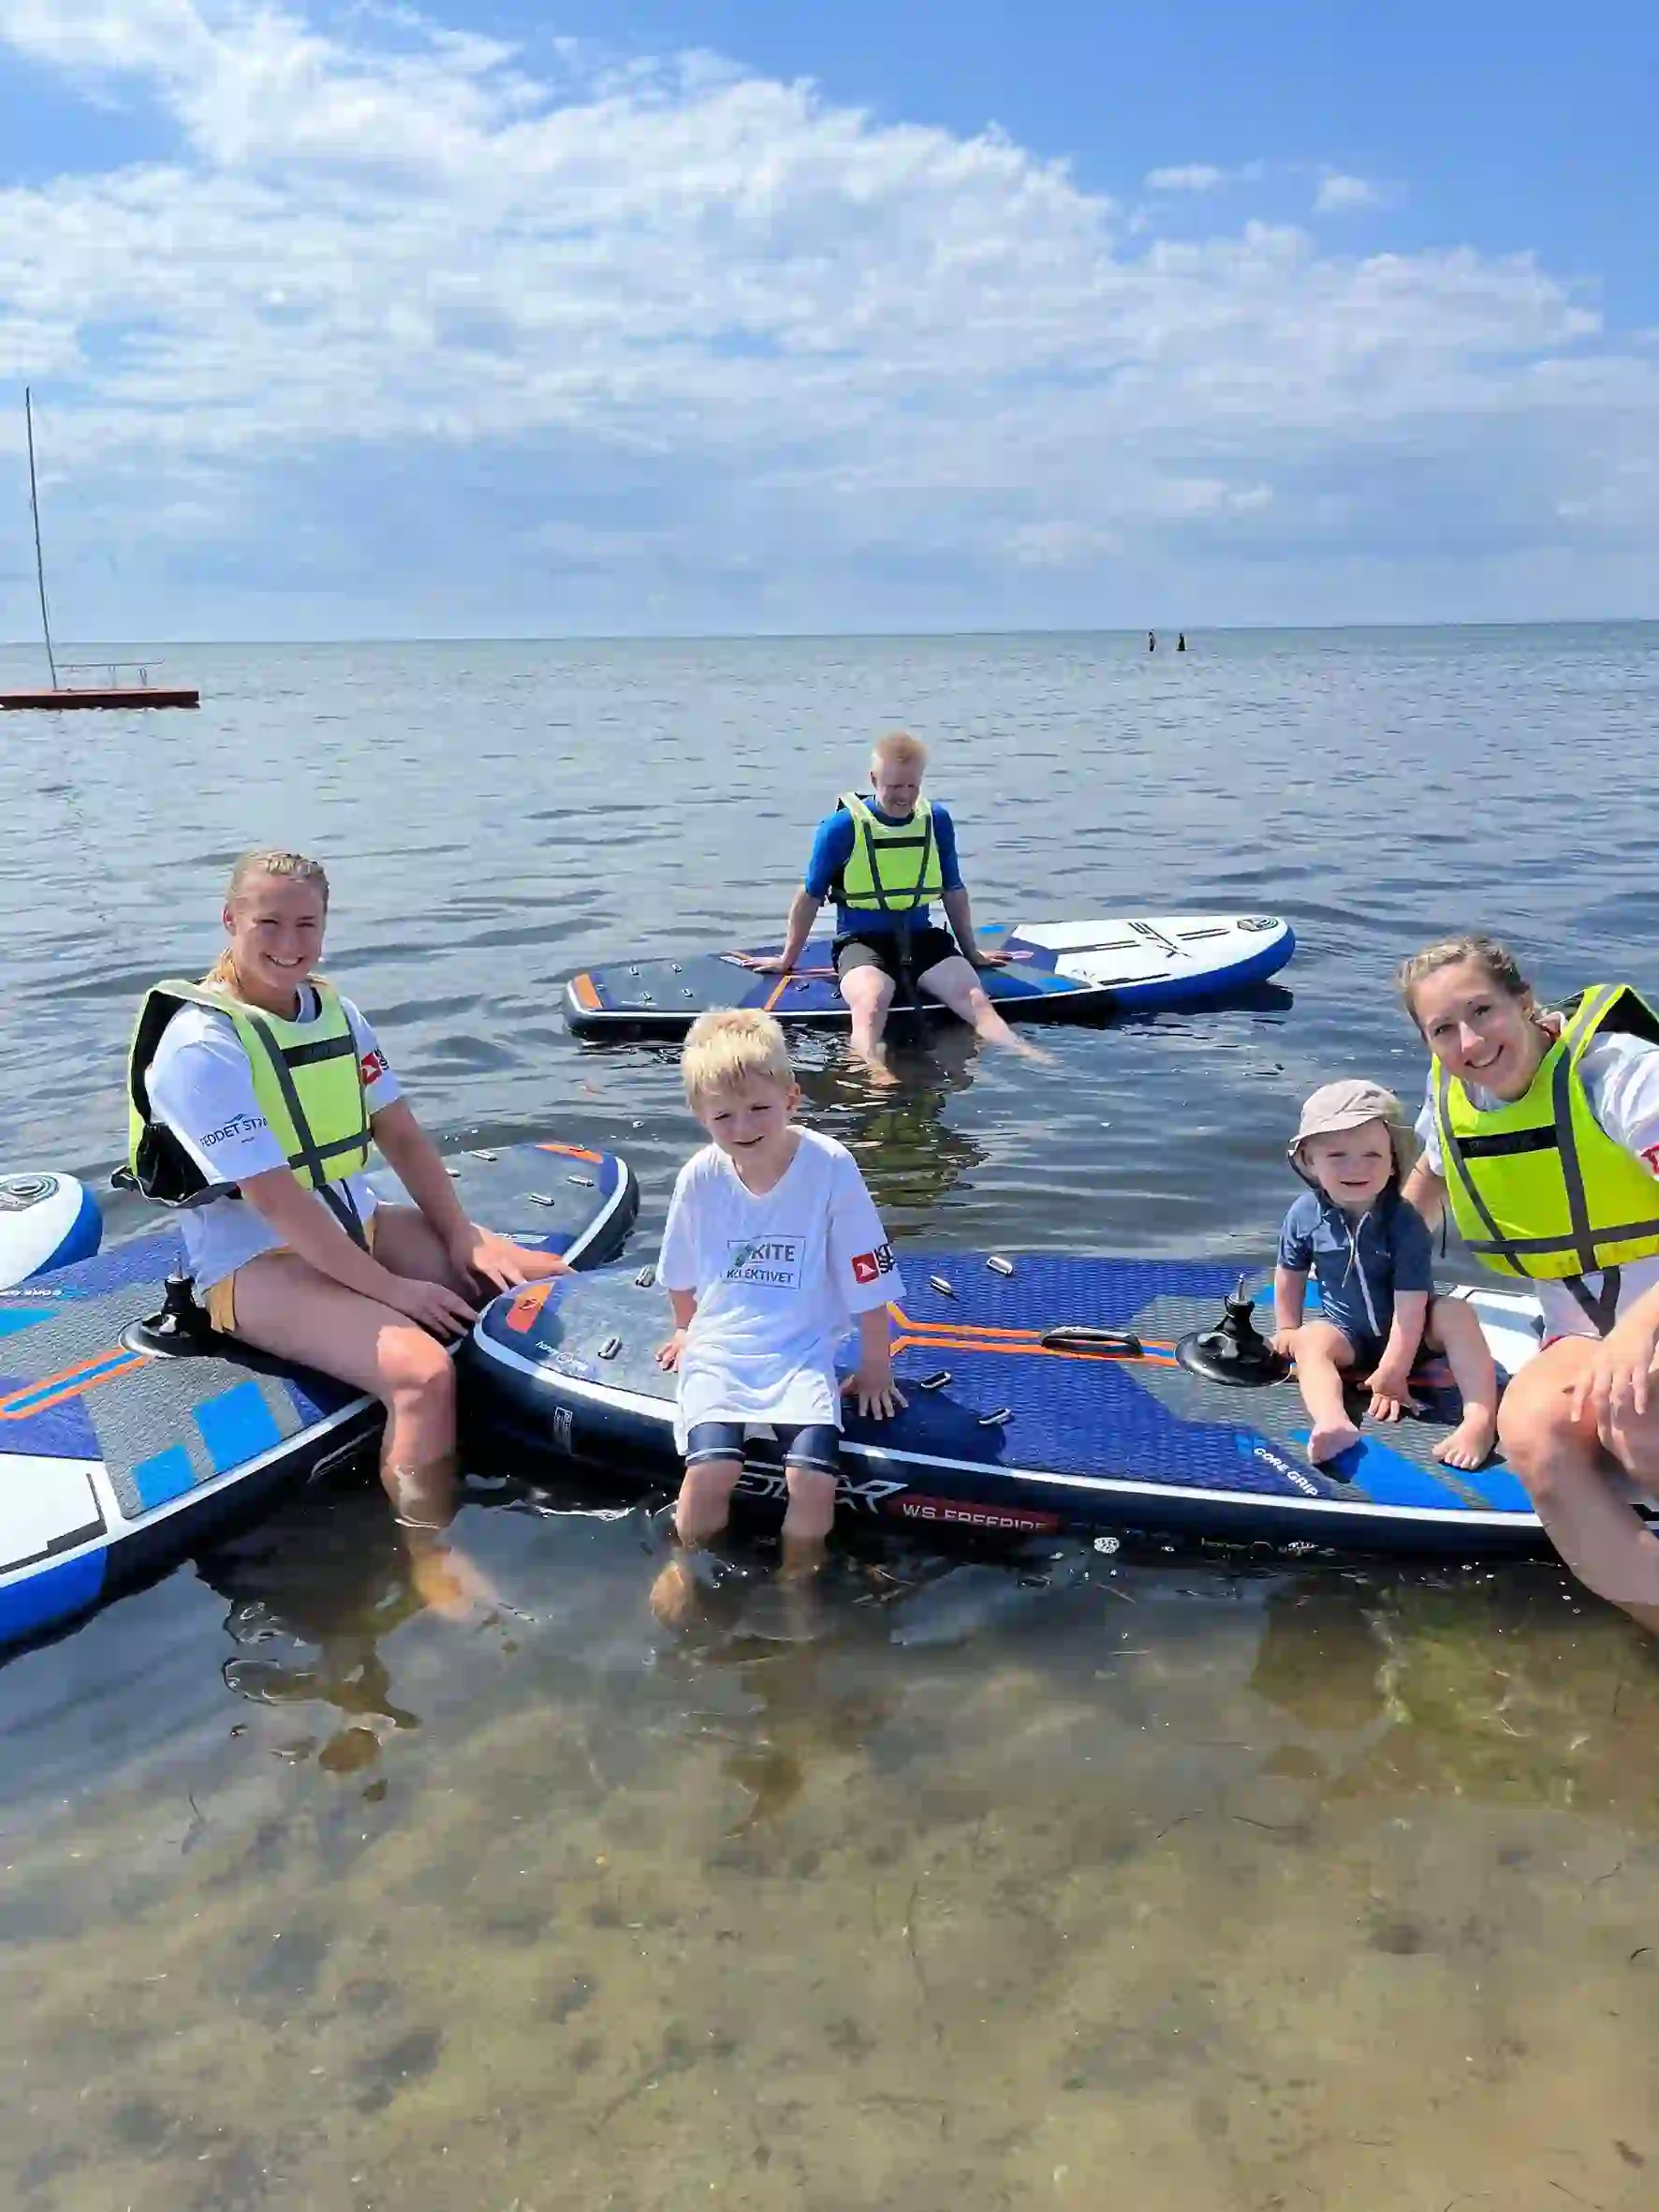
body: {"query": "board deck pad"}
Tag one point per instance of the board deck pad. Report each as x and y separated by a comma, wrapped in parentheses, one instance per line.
(161, 1429)
(1038, 1436)
(1075, 970)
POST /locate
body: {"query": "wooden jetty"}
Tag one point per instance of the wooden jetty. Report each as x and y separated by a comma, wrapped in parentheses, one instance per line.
(66, 698)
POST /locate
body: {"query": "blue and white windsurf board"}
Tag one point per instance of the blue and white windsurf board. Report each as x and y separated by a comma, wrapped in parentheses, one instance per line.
(45, 1222)
(1068, 971)
(115, 1462)
(1012, 1428)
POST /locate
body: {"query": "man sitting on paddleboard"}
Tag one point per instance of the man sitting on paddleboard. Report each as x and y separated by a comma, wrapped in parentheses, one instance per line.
(882, 864)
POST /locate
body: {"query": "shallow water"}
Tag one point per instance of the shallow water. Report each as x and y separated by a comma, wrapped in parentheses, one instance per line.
(1063, 1879)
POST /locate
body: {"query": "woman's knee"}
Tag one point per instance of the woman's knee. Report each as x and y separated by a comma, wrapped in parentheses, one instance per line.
(1540, 1437)
(416, 1371)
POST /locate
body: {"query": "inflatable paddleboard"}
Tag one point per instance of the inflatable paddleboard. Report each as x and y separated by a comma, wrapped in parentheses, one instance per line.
(45, 1222)
(1021, 1419)
(114, 1461)
(1067, 970)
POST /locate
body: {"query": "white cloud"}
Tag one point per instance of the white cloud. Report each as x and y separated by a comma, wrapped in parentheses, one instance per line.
(795, 327)
(1340, 195)
(1203, 176)
(1192, 176)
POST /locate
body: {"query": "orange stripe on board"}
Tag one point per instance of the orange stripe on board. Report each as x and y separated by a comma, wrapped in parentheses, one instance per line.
(105, 1366)
(571, 1152)
(521, 1315)
(582, 986)
(778, 988)
(1152, 1355)
(962, 1331)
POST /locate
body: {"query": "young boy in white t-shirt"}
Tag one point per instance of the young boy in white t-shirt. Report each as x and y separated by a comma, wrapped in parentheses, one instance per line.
(771, 1247)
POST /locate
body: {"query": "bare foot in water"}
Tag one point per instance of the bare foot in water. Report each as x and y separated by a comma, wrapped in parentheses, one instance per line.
(1470, 1443)
(1331, 1439)
(876, 1071)
(674, 1595)
(450, 1583)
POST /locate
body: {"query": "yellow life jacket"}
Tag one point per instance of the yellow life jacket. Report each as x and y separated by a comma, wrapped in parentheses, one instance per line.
(308, 1082)
(894, 866)
(1537, 1187)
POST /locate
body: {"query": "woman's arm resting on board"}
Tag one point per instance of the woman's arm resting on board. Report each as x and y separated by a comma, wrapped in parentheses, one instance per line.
(474, 1251)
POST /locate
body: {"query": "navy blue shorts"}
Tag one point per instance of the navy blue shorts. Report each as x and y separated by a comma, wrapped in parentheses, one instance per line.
(815, 1445)
(1367, 1348)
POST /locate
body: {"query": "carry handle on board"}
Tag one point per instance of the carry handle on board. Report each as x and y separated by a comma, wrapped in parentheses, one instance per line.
(1107, 1344)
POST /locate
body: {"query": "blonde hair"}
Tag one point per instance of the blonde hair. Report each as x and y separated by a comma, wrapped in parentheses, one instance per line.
(1495, 961)
(295, 866)
(727, 1048)
(899, 749)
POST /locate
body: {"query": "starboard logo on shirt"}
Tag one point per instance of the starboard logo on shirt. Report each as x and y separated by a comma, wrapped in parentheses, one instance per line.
(771, 1259)
(869, 1267)
(374, 1067)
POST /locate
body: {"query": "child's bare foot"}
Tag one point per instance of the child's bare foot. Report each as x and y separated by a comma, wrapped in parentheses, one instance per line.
(1028, 1050)
(1470, 1443)
(674, 1594)
(1329, 1438)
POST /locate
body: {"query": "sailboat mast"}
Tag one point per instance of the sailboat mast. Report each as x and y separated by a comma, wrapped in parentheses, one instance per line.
(39, 560)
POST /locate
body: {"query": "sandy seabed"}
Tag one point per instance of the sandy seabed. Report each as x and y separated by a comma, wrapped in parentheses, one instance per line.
(1359, 1911)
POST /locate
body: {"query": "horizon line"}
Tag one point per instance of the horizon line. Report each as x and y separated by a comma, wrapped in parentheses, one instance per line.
(868, 635)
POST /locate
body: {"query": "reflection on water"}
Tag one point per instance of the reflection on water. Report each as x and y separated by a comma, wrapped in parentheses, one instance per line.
(905, 1140)
(1059, 1879)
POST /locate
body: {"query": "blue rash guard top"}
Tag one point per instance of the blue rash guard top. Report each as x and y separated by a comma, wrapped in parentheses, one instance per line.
(1359, 1265)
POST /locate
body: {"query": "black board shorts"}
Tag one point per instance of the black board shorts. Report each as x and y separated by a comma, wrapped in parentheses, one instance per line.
(881, 949)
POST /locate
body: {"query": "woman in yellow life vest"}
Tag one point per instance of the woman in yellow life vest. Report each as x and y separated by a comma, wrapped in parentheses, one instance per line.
(254, 1098)
(1541, 1132)
(884, 860)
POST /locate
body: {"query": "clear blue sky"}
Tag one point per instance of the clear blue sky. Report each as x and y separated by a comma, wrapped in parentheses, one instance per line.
(524, 318)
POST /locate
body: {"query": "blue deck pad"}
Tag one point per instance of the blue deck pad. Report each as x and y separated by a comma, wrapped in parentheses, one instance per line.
(163, 1477)
(237, 1426)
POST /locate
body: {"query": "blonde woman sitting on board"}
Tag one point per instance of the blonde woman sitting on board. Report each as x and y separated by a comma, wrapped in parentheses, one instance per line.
(1541, 1132)
(255, 1096)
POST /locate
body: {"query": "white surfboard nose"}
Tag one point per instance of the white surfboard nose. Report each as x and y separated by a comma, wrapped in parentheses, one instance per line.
(53, 1508)
(45, 1220)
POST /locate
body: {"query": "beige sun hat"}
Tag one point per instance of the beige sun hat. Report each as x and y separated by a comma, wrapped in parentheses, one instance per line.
(1349, 1105)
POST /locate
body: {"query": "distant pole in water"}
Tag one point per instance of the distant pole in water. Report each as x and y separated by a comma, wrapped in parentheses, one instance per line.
(35, 510)
(1152, 640)
(1180, 642)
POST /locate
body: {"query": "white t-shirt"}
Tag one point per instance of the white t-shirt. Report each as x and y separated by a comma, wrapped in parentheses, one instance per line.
(202, 1085)
(1621, 1078)
(777, 1280)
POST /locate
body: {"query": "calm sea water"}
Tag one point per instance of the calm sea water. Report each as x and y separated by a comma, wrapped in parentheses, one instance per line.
(1057, 1880)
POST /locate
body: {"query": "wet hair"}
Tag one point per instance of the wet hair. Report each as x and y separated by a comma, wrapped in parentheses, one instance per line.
(252, 864)
(1495, 961)
(730, 1046)
(899, 749)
